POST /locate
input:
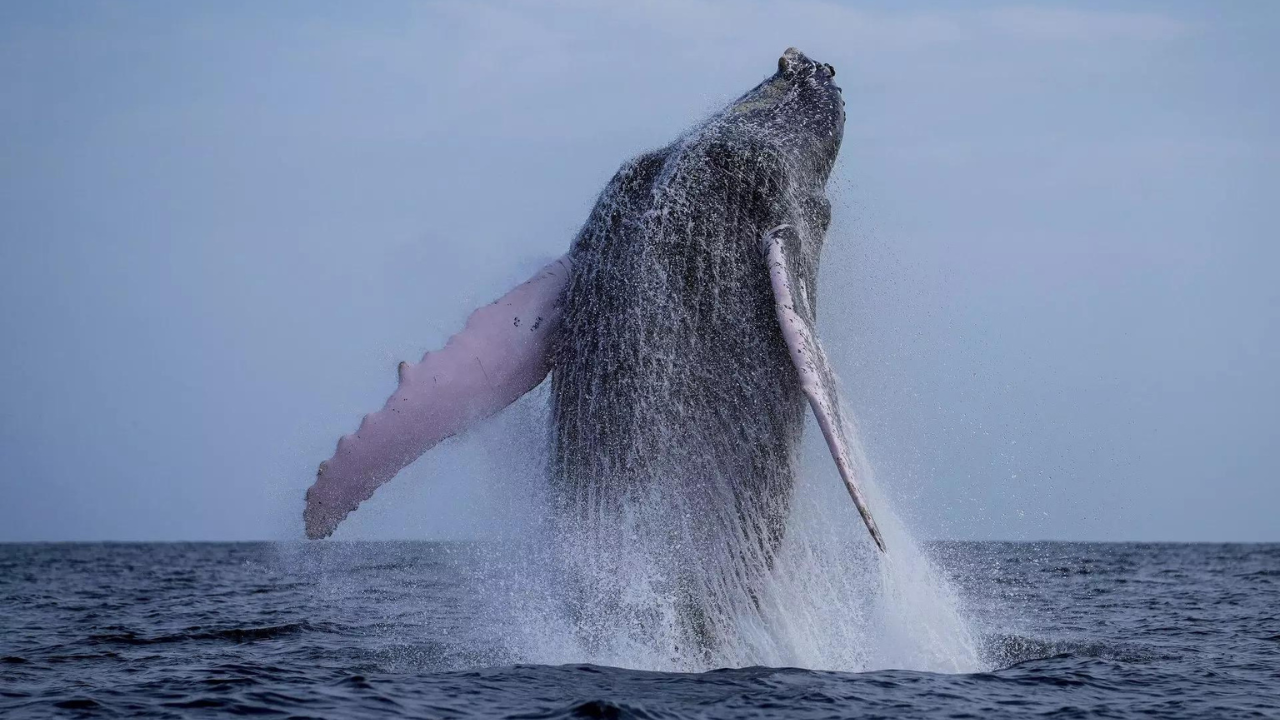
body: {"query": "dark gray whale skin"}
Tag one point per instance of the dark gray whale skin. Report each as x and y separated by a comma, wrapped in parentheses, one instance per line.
(670, 370)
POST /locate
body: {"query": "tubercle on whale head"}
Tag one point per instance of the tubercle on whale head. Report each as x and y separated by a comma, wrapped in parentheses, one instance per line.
(793, 62)
(799, 107)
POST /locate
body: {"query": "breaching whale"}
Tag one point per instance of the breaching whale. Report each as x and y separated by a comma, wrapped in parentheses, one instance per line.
(679, 333)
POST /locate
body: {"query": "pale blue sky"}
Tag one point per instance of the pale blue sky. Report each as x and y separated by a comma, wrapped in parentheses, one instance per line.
(1050, 286)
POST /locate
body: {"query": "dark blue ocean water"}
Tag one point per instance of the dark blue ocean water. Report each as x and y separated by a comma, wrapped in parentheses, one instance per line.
(190, 630)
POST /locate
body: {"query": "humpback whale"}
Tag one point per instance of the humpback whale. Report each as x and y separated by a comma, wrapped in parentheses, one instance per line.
(679, 333)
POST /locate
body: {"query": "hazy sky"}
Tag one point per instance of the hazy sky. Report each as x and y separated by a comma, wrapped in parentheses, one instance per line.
(1050, 287)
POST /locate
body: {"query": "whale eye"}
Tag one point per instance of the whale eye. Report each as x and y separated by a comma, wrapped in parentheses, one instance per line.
(830, 70)
(783, 65)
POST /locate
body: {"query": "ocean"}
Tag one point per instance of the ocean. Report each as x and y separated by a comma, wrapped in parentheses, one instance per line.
(338, 630)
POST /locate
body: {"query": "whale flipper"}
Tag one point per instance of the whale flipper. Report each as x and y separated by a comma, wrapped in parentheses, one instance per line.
(499, 355)
(799, 329)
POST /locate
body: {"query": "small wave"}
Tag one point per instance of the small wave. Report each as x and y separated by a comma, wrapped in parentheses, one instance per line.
(201, 703)
(1007, 651)
(196, 634)
(78, 703)
(596, 709)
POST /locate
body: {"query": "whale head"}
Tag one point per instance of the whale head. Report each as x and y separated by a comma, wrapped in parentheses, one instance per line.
(799, 108)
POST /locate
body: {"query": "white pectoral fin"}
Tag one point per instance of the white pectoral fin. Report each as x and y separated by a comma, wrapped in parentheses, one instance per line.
(799, 330)
(501, 354)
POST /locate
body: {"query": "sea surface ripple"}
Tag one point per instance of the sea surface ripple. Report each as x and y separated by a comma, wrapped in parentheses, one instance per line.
(388, 630)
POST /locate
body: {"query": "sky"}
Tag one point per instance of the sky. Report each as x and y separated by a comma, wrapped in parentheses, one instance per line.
(1049, 287)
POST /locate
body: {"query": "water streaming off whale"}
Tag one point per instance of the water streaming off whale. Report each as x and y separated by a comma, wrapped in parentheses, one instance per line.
(826, 600)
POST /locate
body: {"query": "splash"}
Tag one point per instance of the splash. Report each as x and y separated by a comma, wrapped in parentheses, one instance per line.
(826, 600)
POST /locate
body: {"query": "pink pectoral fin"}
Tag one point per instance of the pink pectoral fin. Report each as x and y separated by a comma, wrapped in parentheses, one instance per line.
(799, 330)
(499, 355)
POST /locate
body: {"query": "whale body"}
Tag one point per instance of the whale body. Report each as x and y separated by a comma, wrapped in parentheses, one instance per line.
(679, 333)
